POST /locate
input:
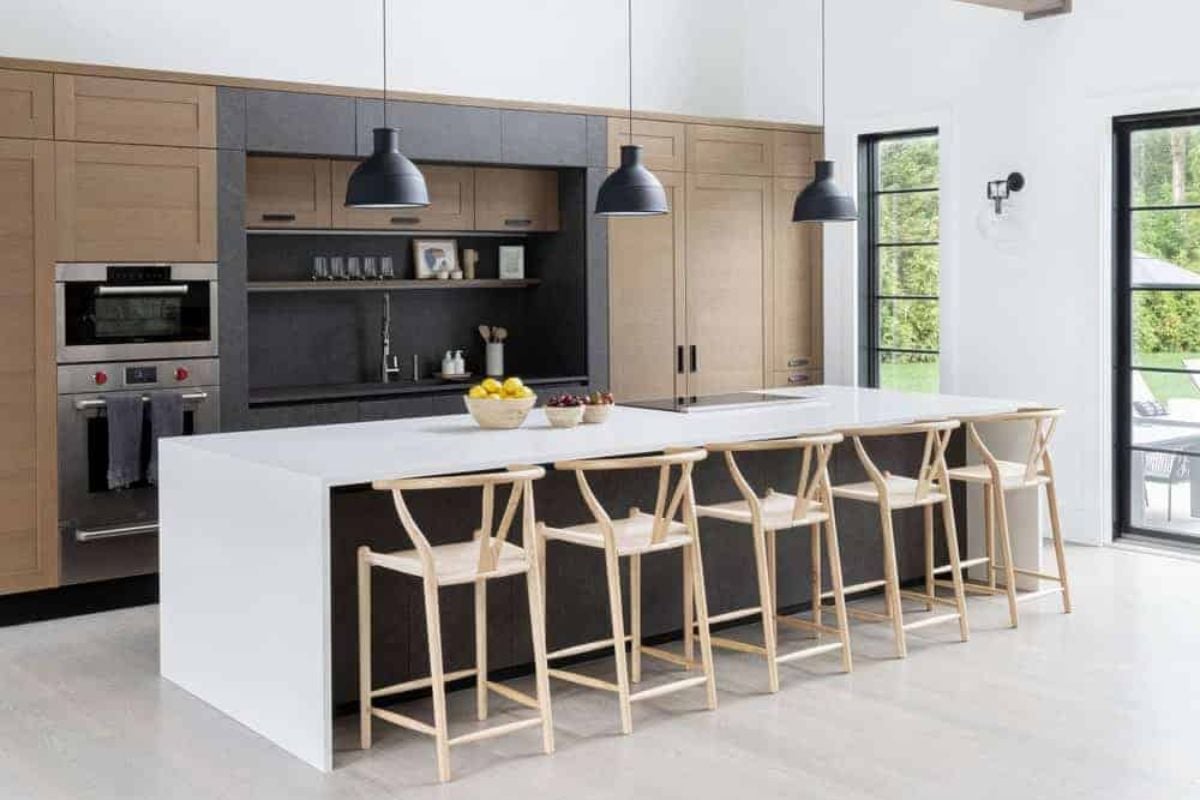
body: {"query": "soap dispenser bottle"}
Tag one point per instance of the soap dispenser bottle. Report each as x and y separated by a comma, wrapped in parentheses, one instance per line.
(460, 364)
(448, 363)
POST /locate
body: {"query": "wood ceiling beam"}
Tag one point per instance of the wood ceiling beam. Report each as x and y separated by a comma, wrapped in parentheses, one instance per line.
(1032, 9)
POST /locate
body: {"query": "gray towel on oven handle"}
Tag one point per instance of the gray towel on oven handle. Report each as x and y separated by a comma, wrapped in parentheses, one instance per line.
(125, 415)
(166, 419)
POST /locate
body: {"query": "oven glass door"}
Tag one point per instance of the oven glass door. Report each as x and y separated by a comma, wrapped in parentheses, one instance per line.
(100, 314)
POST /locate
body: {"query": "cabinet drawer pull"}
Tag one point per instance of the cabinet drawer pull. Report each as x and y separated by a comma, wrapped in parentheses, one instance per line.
(797, 362)
(405, 220)
(679, 359)
(694, 358)
(797, 379)
(518, 223)
(279, 217)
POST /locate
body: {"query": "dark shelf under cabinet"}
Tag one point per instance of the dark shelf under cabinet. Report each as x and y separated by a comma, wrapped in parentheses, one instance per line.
(355, 391)
(387, 286)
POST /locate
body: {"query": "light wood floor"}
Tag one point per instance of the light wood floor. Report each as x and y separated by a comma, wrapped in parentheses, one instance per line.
(1101, 704)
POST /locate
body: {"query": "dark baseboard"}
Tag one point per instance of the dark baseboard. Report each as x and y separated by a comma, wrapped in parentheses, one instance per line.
(83, 598)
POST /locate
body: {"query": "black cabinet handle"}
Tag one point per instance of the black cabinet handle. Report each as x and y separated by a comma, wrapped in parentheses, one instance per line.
(279, 217)
(679, 359)
(695, 360)
(518, 223)
(405, 220)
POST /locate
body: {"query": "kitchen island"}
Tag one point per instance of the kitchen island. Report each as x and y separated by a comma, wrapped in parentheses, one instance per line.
(258, 529)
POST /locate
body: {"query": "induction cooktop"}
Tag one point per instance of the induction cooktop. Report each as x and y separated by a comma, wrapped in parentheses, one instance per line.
(717, 402)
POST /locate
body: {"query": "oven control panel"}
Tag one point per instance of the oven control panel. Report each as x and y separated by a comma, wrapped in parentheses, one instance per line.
(118, 376)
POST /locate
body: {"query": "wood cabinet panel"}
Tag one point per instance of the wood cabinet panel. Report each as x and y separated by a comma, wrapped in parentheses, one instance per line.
(288, 192)
(451, 202)
(28, 488)
(794, 304)
(729, 151)
(794, 153)
(729, 248)
(120, 111)
(647, 299)
(135, 203)
(664, 144)
(516, 199)
(26, 104)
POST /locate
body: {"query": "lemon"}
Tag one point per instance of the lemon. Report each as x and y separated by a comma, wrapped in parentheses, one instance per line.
(491, 386)
(526, 392)
(513, 386)
(477, 392)
(494, 396)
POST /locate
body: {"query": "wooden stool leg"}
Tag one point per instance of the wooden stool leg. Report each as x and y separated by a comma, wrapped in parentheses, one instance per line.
(960, 594)
(1000, 507)
(635, 617)
(1060, 554)
(537, 624)
(364, 648)
(689, 610)
(929, 584)
(612, 570)
(891, 574)
(815, 580)
(481, 660)
(701, 595)
(768, 607)
(989, 532)
(839, 596)
(433, 630)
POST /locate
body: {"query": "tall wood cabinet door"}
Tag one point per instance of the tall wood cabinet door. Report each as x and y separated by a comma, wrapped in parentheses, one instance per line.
(120, 111)
(26, 104)
(516, 199)
(794, 302)
(664, 144)
(134, 203)
(729, 246)
(647, 299)
(795, 152)
(729, 151)
(451, 202)
(288, 192)
(28, 489)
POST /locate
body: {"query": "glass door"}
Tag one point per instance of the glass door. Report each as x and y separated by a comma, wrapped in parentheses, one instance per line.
(1157, 308)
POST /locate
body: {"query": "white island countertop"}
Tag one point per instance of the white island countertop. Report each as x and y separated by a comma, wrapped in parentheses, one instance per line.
(340, 455)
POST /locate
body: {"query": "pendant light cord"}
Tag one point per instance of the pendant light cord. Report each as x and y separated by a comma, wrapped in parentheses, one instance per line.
(629, 53)
(385, 32)
(822, 65)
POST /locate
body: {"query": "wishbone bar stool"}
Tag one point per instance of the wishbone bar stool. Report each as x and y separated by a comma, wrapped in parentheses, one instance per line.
(672, 526)
(487, 557)
(999, 477)
(891, 493)
(810, 508)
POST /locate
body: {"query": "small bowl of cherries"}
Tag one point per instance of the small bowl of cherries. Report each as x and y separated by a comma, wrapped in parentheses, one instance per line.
(596, 407)
(564, 410)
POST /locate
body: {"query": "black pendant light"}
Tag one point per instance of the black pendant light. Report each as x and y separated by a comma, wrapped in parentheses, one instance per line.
(631, 190)
(387, 179)
(823, 200)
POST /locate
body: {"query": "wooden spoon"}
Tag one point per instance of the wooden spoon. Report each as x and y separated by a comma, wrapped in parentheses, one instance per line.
(485, 332)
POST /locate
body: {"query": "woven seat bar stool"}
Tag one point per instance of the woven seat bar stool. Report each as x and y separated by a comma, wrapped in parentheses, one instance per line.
(998, 478)
(809, 510)
(892, 493)
(672, 526)
(487, 557)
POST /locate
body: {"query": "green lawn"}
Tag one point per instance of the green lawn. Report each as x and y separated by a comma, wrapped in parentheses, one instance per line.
(912, 377)
(1167, 385)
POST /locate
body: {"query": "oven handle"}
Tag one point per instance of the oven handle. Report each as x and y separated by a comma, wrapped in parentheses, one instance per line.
(92, 534)
(84, 405)
(166, 289)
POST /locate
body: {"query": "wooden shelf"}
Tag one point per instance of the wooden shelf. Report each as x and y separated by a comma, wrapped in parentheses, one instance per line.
(387, 286)
(412, 233)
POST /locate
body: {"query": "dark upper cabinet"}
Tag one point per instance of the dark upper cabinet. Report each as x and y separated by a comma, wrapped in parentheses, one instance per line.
(289, 122)
(543, 138)
(433, 132)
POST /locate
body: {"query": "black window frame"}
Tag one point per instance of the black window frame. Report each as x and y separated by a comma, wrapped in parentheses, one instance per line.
(1122, 314)
(868, 249)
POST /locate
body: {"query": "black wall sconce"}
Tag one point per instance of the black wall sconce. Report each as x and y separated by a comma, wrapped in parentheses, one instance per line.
(1001, 190)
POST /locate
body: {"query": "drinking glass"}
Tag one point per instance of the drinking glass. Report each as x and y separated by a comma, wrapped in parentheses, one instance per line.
(370, 268)
(320, 268)
(337, 268)
(354, 268)
(387, 268)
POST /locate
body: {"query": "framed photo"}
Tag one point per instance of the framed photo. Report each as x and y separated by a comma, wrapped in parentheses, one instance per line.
(434, 258)
(512, 262)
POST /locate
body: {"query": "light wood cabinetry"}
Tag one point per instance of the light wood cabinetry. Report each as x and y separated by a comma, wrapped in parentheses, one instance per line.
(664, 144)
(516, 199)
(135, 203)
(451, 202)
(794, 302)
(730, 151)
(647, 299)
(28, 493)
(26, 104)
(729, 248)
(119, 111)
(288, 192)
(794, 153)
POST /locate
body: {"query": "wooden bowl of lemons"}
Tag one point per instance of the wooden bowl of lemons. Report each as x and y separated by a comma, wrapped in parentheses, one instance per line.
(500, 405)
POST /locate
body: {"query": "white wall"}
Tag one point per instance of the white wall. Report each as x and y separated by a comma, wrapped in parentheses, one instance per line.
(1027, 318)
(733, 58)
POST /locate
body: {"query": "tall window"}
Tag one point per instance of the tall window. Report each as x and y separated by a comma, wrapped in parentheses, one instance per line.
(1157, 308)
(899, 246)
